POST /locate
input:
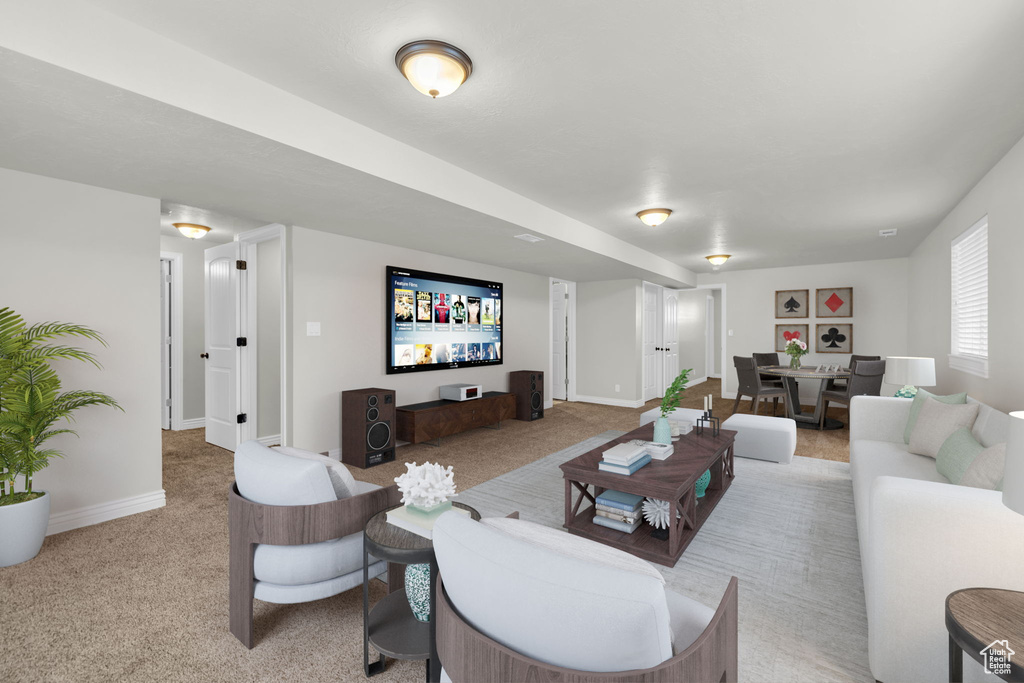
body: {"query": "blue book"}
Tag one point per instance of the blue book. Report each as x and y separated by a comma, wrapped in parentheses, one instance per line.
(618, 526)
(621, 469)
(620, 500)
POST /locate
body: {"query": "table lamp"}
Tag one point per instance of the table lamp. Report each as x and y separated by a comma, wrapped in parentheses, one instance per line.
(910, 372)
(1013, 471)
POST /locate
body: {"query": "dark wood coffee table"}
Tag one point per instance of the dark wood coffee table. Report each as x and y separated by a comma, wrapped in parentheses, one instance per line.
(672, 479)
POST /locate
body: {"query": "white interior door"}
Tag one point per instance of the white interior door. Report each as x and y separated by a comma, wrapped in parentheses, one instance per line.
(651, 341)
(559, 340)
(670, 339)
(165, 344)
(223, 306)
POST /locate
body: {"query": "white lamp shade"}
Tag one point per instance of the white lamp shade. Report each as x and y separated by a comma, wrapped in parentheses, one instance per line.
(1013, 472)
(910, 371)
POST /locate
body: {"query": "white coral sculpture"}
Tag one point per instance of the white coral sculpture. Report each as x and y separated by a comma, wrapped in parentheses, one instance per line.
(656, 513)
(426, 485)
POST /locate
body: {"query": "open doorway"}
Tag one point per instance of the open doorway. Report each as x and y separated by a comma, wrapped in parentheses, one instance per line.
(171, 340)
(562, 385)
(715, 332)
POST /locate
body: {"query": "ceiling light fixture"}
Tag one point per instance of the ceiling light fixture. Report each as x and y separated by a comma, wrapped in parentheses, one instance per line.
(654, 217)
(434, 68)
(717, 259)
(191, 230)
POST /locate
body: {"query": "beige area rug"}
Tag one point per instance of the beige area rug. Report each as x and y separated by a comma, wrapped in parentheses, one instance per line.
(144, 598)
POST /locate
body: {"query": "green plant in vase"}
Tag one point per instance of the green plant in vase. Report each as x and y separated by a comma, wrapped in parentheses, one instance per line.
(32, 409)
(674, 392)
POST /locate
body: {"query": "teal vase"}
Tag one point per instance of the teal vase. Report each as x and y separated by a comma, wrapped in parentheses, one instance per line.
(417, 590)
(702, 484)
(662, 431)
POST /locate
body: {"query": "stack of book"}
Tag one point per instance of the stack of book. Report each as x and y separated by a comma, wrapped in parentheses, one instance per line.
(619, 511)
(420, 523)
(626, 458)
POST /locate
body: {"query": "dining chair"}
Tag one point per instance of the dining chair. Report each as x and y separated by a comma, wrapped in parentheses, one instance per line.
(865, 380)
(750, 385)
(768, 360)
(840, 383)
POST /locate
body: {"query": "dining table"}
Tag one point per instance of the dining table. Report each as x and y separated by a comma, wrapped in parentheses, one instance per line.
(794, 410)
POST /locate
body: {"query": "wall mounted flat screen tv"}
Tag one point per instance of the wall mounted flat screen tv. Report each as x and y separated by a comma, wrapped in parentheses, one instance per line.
(438, 322)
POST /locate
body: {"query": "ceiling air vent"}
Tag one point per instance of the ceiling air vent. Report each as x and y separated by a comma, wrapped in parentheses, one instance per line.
(529, 238)
(891, 232)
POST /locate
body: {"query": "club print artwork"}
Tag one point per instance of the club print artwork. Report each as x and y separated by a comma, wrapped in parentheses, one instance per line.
(791, 303)
(834, 338)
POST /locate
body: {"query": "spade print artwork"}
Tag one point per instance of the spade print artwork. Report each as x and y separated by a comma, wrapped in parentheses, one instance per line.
(835, 302)
(834, 338)
(783, 333)
(792, 303)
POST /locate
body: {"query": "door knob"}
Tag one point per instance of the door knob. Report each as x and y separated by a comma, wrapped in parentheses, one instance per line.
(204, 355)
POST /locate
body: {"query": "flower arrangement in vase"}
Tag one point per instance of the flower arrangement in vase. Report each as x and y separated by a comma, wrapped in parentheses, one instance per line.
(796, 348)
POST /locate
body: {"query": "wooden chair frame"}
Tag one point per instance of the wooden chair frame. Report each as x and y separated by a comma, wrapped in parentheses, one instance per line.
(469, 656)
(250, 523)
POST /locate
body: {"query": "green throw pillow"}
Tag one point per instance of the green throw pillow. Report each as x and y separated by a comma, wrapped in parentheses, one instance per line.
(919, 400)
(956, 454)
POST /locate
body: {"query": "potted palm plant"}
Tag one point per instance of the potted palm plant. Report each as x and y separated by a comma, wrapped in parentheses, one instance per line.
(32, 409)
(674, 392)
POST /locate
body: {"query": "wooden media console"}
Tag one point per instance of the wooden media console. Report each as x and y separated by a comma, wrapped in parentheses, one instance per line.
(429, 421)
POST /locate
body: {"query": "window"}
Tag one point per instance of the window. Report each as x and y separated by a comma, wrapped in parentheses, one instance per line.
(969, 333)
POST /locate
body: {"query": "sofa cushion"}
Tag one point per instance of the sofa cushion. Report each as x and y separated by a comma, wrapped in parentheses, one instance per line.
(574, 546)
(341, 479)
(268, 477)
(549, 606)
(986, 470)
(688, 619)
(992, 426)
(296, 565)
(936, 421)
(956, 454)
(919, 400)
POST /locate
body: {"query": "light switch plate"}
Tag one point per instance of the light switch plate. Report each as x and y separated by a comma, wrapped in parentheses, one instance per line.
(312, 329)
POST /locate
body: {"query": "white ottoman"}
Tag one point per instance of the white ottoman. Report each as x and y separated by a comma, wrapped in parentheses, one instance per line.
(688, 414)
(763, 438)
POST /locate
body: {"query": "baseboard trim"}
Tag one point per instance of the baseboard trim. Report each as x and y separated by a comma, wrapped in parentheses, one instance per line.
(196, 423)
(273, 440)
(714, 376)
(334, 453)
(104, 512)
(695, 382)
(618, 402)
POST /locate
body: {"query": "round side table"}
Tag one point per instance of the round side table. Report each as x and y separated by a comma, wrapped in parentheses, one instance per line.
(987, 624)
(390, 626)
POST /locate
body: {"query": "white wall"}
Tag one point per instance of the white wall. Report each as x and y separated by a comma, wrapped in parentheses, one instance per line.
(608, 341)
(193, 342)
(75, 253)
(268, 338)
(692, 331)
(339, 282)
(880, 310)
(1000, 195)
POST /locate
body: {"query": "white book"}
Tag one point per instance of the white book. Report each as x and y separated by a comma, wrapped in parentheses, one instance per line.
(624, 454)
(659, 451)
(403, 521)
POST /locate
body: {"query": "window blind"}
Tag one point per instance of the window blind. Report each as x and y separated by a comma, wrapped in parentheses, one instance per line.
(970, 292)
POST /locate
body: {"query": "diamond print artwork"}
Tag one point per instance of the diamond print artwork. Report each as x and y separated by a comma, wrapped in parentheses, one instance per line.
(834, 302)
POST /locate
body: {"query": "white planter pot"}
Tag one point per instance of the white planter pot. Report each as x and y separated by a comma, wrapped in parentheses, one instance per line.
(24, 526)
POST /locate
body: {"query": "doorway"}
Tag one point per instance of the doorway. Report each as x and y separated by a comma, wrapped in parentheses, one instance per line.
(171, 341)
(563, 342)
(716, 338)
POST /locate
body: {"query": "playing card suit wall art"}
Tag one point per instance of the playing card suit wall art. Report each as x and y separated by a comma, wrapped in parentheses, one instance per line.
(835, 302)
(792, 303)
(783, 333)
(834, 338)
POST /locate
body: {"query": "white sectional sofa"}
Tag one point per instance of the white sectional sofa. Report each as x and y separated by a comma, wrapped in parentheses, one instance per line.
(921, 538)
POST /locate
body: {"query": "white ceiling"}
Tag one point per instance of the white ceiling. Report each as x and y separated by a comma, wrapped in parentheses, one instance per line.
(782, 132)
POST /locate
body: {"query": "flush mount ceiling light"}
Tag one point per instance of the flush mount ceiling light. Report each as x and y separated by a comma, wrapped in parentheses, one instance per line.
(654, 217)
(434, 68)
(718, 259)
(191, 230)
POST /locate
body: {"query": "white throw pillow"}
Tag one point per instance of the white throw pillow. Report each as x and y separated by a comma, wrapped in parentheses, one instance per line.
(572, 546)
(986, 470)
(342, 480)
(936, 422)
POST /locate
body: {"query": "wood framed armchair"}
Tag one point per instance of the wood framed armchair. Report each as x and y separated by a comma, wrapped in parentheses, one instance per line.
(296, 523)
(521, 602)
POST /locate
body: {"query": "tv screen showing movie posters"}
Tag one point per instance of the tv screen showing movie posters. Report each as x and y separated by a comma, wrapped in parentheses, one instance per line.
(436, 321)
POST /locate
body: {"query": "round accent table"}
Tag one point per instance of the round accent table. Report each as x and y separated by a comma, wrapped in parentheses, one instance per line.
(390, 626)
(793, 410)
(987, 624)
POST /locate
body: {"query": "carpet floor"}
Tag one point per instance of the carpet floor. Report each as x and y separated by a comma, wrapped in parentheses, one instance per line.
(144, 598)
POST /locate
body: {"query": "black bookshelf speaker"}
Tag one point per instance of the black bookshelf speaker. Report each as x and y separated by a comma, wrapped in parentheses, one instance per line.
(528, 387)
(367, 427)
